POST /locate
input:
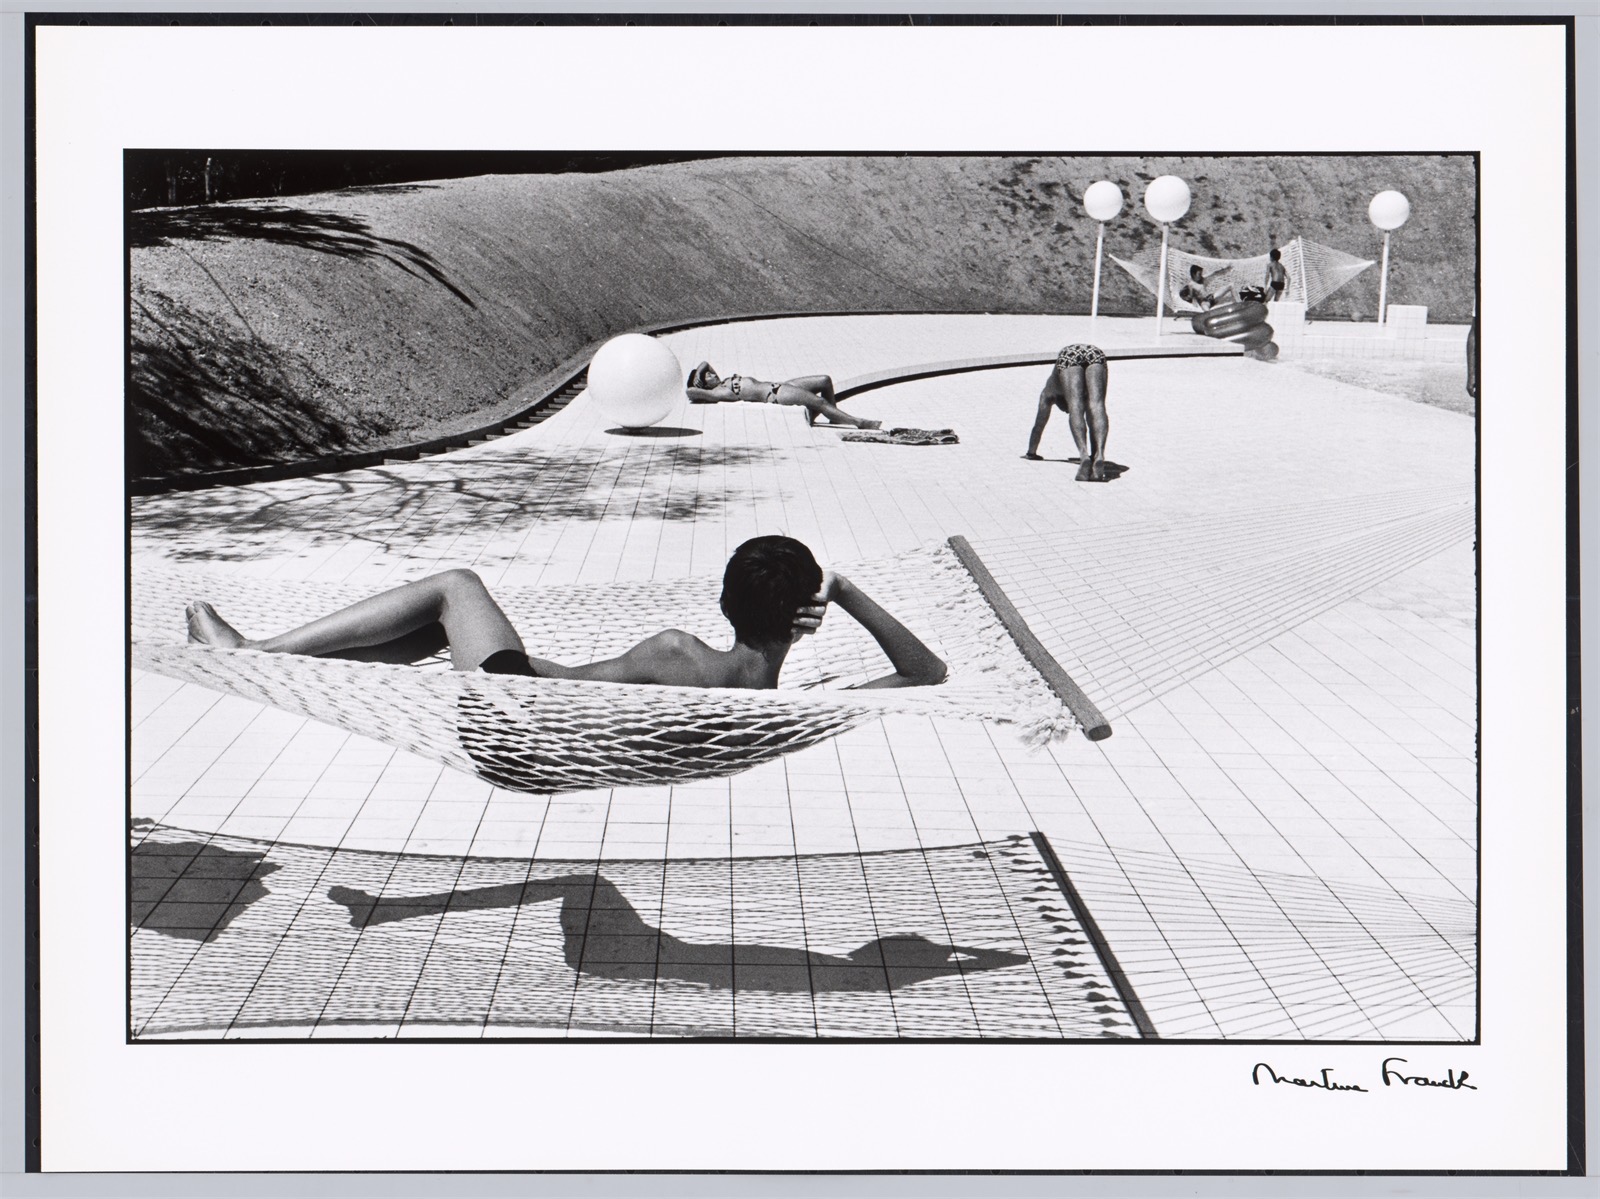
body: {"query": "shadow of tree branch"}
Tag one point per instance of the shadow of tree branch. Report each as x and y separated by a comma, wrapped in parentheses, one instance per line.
(323, 232)
(494, 496)
(204, 393)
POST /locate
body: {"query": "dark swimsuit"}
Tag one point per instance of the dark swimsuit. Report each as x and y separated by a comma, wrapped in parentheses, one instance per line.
(734, 382)
(508, 661)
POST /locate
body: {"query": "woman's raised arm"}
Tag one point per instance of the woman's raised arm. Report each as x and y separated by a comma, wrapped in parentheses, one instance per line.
(915, 665)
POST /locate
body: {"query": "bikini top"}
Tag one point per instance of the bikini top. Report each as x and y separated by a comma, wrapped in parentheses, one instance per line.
(733, 382)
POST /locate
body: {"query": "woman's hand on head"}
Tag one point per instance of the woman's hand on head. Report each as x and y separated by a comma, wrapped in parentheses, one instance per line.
(808, 618)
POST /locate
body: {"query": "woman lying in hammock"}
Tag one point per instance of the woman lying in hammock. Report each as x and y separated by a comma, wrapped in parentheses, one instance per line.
(814, 393)
(773, 593)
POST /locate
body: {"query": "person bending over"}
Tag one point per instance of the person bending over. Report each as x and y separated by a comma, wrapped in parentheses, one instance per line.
(773, 593)
(1077, 385)
(814, 393)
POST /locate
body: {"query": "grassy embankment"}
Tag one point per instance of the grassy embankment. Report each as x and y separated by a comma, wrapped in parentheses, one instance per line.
(266, 331)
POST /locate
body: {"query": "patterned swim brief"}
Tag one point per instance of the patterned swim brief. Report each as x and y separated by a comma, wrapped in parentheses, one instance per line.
(1080, 355)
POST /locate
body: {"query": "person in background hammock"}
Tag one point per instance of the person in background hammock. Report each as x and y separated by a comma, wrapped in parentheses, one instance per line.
(1198, 291)
(814, 393)
(773, 593)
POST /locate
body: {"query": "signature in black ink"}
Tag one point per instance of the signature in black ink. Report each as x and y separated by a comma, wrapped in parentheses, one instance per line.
(1321, 1083)
(1451, 1081)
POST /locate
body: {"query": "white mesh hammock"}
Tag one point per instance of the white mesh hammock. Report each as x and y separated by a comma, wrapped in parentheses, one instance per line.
(1315, 272)
(551, 735)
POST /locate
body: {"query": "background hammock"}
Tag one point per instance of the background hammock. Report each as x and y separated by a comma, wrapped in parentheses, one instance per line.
(550, 735)
(1315, 272)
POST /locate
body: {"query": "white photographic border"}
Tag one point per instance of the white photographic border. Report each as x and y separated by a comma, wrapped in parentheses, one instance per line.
(1498, 90)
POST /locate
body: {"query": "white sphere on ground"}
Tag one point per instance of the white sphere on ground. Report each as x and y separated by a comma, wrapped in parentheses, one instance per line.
(636, 381)
(1167, 198)
(1389, 210)
(1102, 200)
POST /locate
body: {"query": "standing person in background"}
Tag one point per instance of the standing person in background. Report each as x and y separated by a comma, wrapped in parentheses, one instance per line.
(1277, 276)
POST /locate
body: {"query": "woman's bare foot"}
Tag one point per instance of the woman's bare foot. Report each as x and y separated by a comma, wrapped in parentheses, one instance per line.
(1085, 472)
(1034, 457)
(871, 424)
(207, 628)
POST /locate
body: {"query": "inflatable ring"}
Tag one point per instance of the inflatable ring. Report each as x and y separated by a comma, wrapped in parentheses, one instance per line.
(1233, 318)
(1240, 307)
(1253, 338)
(1232, 327)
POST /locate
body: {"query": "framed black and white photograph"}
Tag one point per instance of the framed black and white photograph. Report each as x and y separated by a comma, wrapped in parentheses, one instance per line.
(805, 595)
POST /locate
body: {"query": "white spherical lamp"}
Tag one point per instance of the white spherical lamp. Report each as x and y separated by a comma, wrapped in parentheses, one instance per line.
(636, 381)
(1102, 200)
(1389, 210)
(1167, 198)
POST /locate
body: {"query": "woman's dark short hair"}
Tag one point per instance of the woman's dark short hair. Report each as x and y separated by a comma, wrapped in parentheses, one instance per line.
(766, 581)
(1194, 270)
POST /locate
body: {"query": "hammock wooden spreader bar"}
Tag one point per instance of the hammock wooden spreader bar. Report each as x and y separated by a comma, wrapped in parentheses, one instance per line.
(1095, 726)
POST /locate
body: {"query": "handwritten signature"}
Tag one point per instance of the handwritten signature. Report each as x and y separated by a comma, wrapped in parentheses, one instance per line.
(1388, 1074)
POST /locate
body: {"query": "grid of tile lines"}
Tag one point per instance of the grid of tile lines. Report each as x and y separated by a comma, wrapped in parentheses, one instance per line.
(1133, 613)
(1283, 956)
(1357, 719)
(966, 941)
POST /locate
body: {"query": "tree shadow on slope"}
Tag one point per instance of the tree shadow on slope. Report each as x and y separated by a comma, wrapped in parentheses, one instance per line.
(323, 232)
(472, 504)
(204, 394)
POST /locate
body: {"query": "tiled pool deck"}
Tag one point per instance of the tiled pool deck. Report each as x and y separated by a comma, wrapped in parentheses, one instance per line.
(1294, 701)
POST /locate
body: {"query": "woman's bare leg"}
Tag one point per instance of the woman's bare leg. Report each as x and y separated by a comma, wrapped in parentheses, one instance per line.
(822, 385)
(1096, 376)
(456, 600)
(1077, 390)
(793, 394)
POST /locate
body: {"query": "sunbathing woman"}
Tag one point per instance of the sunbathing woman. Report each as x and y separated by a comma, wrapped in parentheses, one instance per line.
(814, 393)
(1077, 385)
(773, 593)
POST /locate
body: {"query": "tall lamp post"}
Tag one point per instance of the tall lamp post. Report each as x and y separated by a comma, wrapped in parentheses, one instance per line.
(1101, 201)
(1388, 211)
(1166, 200)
